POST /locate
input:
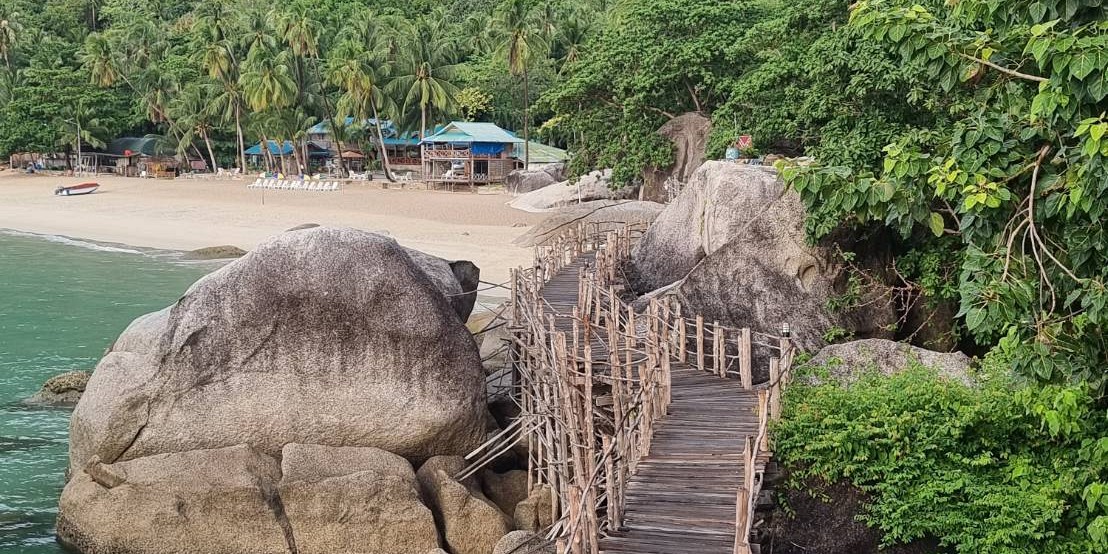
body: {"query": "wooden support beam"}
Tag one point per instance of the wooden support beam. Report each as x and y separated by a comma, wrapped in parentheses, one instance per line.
(745, 359)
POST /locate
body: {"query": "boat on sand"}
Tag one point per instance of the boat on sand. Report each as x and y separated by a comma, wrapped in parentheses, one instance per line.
(76, 190)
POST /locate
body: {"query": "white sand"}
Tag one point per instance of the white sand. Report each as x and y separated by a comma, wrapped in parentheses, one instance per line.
(189, 214)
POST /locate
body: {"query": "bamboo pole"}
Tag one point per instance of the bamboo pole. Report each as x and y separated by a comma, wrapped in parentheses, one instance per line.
(775, 389)
(700, 342)
(745, 363)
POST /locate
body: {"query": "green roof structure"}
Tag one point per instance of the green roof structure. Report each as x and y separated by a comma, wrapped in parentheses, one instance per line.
(544, 154)
(467, 132)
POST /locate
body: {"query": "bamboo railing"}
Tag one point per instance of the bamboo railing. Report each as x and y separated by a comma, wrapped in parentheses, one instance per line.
(593, 383)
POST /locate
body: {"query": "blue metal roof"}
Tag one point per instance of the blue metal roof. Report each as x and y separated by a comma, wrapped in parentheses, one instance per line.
(286, 149)
(462, 131)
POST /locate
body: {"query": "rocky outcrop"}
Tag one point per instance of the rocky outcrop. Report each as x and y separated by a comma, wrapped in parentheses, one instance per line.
(606, 215)
(689, 134)
(458, 280)
(557, 171)
(201, 501)
(322, 336)
(533, 513)
(215, 253)
(469, 522)
(353, 500)
(522, 181)
(845, 363)
(506, 489)
(732, 248)
(594, 186)
(61, 390)
(522, 542)
(318, 501)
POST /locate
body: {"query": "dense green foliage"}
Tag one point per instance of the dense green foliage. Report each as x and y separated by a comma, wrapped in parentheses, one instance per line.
(1005, 468)
(211, 75)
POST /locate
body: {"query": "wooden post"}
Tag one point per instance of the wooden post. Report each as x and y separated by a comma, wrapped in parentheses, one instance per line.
(682, 337)
(717, 350)
(763, 418)
(700, 342)
(745, 363)
(775, 389)
(742, 505)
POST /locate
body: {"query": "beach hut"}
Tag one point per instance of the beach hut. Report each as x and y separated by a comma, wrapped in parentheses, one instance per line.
(542, 155)
(286, 151)
(469, 153)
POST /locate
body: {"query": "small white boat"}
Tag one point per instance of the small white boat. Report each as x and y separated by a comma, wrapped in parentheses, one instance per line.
(77, 190)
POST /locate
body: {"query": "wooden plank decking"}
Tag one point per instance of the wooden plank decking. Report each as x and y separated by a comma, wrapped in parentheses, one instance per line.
(682, 497)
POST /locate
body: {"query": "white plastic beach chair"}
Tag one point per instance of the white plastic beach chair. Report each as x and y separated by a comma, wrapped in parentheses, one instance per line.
(335, 186)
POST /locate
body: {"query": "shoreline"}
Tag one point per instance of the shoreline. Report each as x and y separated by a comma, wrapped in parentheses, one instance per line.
(183, 215)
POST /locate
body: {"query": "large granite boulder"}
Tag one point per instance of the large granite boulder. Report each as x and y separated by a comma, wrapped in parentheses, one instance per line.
(594, 186)
(845, 363)
(61, 390)
(322, 336)
(458, 280)
(533, 513)
(689, 135)
(505, 489)
(217, 501)
(732, 248)
(606, 215)
(470, 523)
(522, 181)
(523, 542)
(355, 501)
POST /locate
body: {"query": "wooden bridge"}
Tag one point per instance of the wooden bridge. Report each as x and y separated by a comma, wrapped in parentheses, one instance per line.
(647, 427)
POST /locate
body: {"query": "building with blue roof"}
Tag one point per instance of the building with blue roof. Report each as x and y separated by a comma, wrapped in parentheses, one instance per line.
(470, 153)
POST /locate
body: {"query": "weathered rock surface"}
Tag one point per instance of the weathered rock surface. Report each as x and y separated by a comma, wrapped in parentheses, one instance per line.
(458, 280)
(506, 489)
(732, 248)
(218, 501)
(61, 390)
(557, 171)
(689, 135)
(469, 522)
(522, 181)
(845, 362)
(607, 215)
(522, 542)
(533, 513)
(303, 226)
(354, 500)
(323, 336)
(594, 186)
(215, 253)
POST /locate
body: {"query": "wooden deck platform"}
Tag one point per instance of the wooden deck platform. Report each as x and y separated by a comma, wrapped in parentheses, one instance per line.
(682, 497)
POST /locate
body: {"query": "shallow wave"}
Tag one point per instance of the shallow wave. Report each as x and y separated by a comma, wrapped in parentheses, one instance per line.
(73, 242)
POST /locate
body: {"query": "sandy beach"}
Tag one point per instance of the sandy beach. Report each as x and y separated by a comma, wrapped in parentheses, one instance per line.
(186, 214)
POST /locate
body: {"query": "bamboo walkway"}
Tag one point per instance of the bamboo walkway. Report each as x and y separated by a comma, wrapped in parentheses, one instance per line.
(682, 497)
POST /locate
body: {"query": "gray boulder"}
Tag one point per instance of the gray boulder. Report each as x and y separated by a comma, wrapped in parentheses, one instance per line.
(557, 171)
(323, 336)
(522, 181)
(594, 186)
(607, 215)
(218, 501)
(354, 500)
(732, 248)
(506, 489)
(689, 135)
(522, 542)
(215, 253)
(844, 363)
(61, 390)
(470, 523)
(533, 513)
(458, 280)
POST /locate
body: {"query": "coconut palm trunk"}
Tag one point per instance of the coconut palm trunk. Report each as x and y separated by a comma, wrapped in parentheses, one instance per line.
(526, 122)
(381, 143)
(211, 154)
(242, 142)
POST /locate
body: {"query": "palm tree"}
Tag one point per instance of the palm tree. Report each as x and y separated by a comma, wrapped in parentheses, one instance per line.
(195, 116)
(357, 71)
(77, 127)
(99, 60)
(518, 27)
(425, 72)
(9, 36)
(266, 80)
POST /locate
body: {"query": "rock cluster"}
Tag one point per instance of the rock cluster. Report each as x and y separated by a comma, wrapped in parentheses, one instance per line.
(594, 186)
(282, 404)
(61, 390)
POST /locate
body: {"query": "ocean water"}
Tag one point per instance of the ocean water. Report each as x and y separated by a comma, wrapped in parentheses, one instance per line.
(62, 302)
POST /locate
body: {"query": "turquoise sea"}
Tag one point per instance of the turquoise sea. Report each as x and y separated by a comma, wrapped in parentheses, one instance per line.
(62, 302)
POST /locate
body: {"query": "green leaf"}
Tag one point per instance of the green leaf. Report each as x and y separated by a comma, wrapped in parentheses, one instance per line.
(974, 318)
(1084, 64)
(1038, 12)
(936, 224)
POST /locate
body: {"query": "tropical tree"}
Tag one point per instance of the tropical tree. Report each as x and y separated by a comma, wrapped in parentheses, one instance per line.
(79, 125)
(195, 116)
(357, 72)
(267, 80)
(521, 37)
(10, 29)
(425, 73)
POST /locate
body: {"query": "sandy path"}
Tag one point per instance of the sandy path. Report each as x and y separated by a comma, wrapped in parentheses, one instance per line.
(190, 214)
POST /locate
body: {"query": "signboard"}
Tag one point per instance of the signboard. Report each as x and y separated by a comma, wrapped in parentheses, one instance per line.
(744, 142)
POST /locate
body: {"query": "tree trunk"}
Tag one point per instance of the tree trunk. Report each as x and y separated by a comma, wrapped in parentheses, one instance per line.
(422, 121)
(208, 143)
(242, 143)
(331, 118)
(526, 122)
(267, 155)
(384, 154)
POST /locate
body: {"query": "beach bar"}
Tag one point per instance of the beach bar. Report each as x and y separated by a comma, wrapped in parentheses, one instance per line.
(469, 153)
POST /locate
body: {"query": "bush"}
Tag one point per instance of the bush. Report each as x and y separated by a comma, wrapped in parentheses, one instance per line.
(1006, 467)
